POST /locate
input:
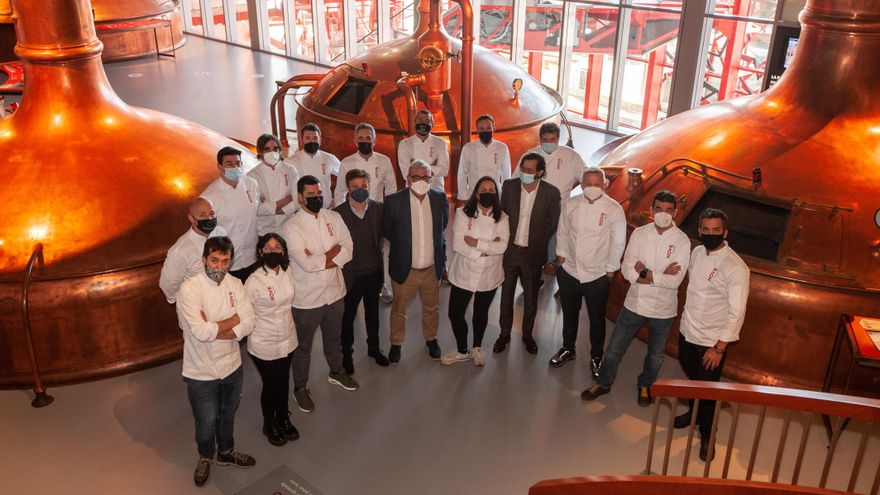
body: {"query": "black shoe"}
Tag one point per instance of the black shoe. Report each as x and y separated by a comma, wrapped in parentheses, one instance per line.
(594, 392)
(682, 420)
(273, 434)
(704, 451)
(531, 345)
(394, 354)
(561, 357)
(501, 343)
(433, 349)
(644, 396)
(380, 358)
(348, 364)
(595, 366)
(286, 428)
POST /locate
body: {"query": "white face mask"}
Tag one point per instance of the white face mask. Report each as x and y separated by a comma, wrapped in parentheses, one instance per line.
(662, 219)
(272, 157)
(592, 193)
(420, 187)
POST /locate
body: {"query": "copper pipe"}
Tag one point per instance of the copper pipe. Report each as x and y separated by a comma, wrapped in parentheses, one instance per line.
(42, 399)
(405, 85)
(467, 72)
(277, 116)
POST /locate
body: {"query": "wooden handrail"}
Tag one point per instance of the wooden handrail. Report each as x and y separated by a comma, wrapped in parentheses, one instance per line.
(657, 485)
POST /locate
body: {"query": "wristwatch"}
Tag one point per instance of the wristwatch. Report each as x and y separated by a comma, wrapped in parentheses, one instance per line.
(643, 273)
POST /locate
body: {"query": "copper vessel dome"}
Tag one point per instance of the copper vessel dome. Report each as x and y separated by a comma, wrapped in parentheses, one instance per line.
(797, 169)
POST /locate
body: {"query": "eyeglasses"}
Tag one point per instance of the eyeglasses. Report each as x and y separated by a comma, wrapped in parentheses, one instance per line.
(416, 178)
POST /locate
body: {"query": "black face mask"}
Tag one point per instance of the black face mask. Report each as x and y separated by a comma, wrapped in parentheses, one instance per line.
(712, 241)
(486, 137)
(315, 203)
(207, 226)
(423, 129)
(487, 199)
(312, 148)
(365, 148)
(273, 260)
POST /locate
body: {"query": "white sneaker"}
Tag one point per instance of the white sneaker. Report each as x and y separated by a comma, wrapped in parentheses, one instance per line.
(455, 357)
(479, 356)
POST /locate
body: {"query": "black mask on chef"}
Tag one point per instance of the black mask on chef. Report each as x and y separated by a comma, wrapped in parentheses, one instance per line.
(207, 226)
(312, 148)
(365, 148)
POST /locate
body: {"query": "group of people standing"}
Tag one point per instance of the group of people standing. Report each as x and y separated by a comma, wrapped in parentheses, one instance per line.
(279, 252)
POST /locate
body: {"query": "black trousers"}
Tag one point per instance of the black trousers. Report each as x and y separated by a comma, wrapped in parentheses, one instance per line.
(595, 294)
(276, 385)
(243, 273)
(366, 288)
(459, 299)
(517, 266)
(691, 358)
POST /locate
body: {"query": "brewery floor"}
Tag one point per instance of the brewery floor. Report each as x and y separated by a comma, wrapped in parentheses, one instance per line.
(416, 428)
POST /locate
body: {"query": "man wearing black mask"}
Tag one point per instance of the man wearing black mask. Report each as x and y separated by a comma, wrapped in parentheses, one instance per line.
(378, 166)
(425, 146)
(184, 259)
(718, 288)
(312, 160)
(485, 157)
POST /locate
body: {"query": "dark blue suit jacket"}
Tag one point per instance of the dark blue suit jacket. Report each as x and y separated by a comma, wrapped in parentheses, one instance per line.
(398, 230)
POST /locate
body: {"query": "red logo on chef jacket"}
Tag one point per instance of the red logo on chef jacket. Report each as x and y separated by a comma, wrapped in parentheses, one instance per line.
(431, 152)
(250, 197)
(558, 163)
(470, 223)
(601, 219)
(377, 173)
(496, 158)
(286, 181)
(669, 251)
(330, 230)
(231, 300)
(271, 293)
(323, 169)
(713, 273)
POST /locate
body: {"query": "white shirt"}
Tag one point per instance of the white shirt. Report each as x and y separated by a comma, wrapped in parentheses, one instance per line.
(479, 160)
(317, 286)
(526, 203)
(321, 165)
(718, 289)
(431, 149)
(184, 260)
(656, 251)
(205, 357)
(275, 183)
(478, 269)
(237, 209)
(378, 167)
(422, 232)
(565, 168)
(271, 294)
(591, 237)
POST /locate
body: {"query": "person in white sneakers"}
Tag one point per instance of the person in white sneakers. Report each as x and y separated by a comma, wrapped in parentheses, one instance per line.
(184, 259)
(270, 289)
(486, 157)
(319, 244)
(214, 313)
(277, 181)
(425, 146)
(654, 263)
(377, 166)
(479, 238)
(592, 235)
(312, 160)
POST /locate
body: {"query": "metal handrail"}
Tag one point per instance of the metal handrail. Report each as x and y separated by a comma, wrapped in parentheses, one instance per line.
(701, 168)
(42, 399)
(399, 12)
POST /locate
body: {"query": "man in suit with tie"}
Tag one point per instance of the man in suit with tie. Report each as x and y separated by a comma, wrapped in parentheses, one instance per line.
(532, 206)
(414, 220)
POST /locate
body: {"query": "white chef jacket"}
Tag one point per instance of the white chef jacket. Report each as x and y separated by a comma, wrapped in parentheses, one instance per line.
(378, 167)
(317, 286)
(656, 251)
(565, 167)
(271, 294)
(470, 269)
(526, 204)
(422, 231)
(184, 260)
(432, 148)
(275, 183)
(321, 165)
(479, 160)
(591, 237)
(718, 289)
(205, 357)
(237, 209)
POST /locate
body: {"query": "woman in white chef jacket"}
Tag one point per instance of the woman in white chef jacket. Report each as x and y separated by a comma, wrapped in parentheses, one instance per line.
(479, 239)
(270, 289)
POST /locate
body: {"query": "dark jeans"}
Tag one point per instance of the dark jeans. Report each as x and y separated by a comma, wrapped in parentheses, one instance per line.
(276, 386)
(329, 318)
(366, 287)
(213, 405)
(517, 266)
(595, 294)
(459, 299)
(243, 273)
(628, 324)
(691, 358)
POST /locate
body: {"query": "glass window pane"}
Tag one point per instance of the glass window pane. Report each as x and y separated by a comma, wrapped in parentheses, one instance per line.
(216, 9)
(666, 4)
(496, 24)
(762, 9)
(403, 18)
(242, 31)
(592, 62)
(334, 18)
(541, 44)
(736, 60)
(273, 26)
(366, 24)
(195, 9)
(304, 44)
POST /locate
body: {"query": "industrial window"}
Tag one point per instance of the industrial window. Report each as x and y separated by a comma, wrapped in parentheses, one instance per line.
(350, 98)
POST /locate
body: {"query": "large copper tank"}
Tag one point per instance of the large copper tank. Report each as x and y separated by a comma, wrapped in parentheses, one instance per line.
(104, 186)
(816, 138)
(517, 118)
